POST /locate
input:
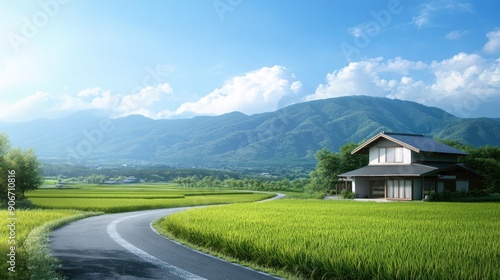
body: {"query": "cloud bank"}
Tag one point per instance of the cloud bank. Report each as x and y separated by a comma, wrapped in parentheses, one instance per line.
(255, 92)
(451, 84)
(463, 85)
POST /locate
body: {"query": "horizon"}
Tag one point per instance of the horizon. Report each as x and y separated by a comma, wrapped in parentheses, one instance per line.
(178, 60)
(100, 114)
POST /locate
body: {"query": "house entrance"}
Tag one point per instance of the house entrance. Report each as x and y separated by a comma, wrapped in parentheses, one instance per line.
(377, 188)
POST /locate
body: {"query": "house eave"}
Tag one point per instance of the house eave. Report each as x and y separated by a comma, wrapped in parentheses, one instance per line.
(363, 147)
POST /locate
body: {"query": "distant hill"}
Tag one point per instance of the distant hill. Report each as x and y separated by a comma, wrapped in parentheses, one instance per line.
(287, 137)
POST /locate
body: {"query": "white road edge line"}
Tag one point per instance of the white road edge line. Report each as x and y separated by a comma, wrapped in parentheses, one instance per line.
(113, 233)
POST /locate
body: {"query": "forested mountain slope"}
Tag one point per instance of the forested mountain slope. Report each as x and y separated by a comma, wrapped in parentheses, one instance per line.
(289, 136)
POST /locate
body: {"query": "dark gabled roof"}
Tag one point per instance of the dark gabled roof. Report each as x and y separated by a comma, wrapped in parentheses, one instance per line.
(415, 142)
(405, 170)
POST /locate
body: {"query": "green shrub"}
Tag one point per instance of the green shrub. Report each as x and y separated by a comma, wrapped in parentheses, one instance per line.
(347, 194)
(466, 196)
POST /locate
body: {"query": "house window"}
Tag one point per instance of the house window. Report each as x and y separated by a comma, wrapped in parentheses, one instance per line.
(398, 154)
(399, 189)
(381, 155)
(390, 155)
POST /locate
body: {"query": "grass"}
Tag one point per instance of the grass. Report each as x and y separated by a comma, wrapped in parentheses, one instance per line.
(59, 206)
(351, 240)
(132, 197)
(133, 204)
(32, 256)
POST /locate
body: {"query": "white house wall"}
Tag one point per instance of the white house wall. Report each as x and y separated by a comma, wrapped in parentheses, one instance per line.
(361, 187)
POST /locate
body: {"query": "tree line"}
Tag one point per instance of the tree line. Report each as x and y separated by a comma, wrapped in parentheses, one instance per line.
(321, 181)
(485, 160)
(324, 178)
(296, 185)
(150, 174)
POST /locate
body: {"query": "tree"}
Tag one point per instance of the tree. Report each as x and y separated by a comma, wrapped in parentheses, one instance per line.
(23, 167)
(348, 160)
(330, 165)
(324, 176)
(485, 160)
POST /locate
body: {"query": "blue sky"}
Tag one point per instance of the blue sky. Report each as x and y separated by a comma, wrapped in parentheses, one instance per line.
(177, 59)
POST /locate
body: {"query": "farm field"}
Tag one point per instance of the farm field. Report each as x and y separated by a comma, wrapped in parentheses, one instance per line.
(351, 240)
(27, 221)
(58, 206)
(131, 197)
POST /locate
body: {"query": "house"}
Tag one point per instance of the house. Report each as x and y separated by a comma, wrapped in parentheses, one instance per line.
(409, 167)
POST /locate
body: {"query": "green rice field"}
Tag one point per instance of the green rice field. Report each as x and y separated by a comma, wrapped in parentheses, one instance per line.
(122, 198)
(26, 222)
(351, 240)
(58, 206)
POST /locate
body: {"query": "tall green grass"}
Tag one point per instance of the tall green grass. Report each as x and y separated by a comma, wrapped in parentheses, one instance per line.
(33, 259)
(116, 205)
(352, 240)
(131, 197)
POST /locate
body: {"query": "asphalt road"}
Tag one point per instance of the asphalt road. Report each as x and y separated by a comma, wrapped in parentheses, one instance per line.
(124, 246)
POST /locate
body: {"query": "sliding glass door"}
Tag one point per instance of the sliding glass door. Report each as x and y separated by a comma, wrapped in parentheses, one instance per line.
(399, 188)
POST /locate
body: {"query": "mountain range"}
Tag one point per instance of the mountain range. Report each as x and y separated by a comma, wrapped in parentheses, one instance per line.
(286, 137)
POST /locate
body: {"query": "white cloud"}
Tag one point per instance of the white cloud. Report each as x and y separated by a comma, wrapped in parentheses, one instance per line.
(296, 86)
(255, 92)
(429, 10)
(449, 84)
(456, 34)
(89, 92)
(356, 31)
(422, 19)
(493, 44)
(137, 103)
(19, 111)
(42, 104)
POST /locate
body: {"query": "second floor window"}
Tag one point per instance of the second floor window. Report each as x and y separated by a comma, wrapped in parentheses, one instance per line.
(391, 154)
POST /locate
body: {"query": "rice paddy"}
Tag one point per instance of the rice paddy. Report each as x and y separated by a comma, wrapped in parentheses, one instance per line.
(26, 221)
(352, 240)
(57, 206)
(122, 198)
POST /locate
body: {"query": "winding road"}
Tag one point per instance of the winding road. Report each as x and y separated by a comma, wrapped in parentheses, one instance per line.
(125, 246)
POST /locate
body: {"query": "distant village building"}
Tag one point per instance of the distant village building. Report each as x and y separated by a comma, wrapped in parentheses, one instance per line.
(408, 167)
(130, 180)
(127, 180)
(110, 182)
